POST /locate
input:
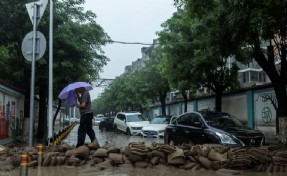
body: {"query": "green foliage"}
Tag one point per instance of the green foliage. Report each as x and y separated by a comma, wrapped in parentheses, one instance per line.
(123, 94)
(77, 44)
(131, 91)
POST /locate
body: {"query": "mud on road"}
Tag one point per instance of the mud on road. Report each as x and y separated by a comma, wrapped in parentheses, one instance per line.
(110, 138)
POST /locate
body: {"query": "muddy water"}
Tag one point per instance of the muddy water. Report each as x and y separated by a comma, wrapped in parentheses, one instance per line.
(71, 171)
(109, 137)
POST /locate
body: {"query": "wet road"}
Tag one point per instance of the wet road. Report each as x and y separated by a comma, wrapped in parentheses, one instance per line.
(109, 137)
(120, 140)
(72, 171)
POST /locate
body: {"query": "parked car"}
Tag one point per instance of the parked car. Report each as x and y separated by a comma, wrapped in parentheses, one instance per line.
(211, 127)
(98, 120)
(156, 127)
(130, 123)
(107, 124)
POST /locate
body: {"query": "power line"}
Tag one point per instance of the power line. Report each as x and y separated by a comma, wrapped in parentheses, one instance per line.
(140, 43)
(129, 43)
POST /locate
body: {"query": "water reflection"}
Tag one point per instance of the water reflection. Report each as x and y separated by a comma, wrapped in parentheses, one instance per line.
(73, 171)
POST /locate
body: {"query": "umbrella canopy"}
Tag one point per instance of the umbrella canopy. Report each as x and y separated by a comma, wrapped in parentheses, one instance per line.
(69, 89)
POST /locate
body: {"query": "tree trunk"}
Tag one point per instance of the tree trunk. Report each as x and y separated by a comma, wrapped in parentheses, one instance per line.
(283, 130)
(280, 91)
(184, 95)
(218, 100)
(57, 112)
(162, 98)
(42, 123)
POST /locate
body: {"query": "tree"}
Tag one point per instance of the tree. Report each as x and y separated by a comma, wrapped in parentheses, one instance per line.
(196, 52)
(255, 26)
(77, 48)
(255, 30)
(123, 94)
(175, 39)
(154, 84)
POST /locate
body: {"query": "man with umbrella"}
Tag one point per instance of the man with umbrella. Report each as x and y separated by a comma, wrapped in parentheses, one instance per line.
(86, 121)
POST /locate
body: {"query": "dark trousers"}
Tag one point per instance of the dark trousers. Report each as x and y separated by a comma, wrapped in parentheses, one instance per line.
(86, 127)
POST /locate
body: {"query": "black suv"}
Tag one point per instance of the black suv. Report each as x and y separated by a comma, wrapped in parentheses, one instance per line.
(211, 127)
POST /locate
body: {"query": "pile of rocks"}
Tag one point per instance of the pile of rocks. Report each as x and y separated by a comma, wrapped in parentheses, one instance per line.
(92, 157)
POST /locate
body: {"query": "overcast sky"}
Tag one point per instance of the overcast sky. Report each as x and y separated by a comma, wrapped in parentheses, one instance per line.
(128, 21)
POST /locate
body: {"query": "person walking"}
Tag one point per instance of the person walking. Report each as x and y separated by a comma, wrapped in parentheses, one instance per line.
(86, 120)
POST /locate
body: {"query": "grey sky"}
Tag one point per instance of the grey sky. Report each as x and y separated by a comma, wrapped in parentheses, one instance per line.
(128, 21)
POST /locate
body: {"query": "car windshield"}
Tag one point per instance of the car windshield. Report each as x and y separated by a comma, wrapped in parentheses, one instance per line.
(160, 120)
(221, 120)
(135, 118)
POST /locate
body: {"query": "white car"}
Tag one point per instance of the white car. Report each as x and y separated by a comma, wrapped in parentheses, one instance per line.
(98, 120)
(130, 123)
(156, 127)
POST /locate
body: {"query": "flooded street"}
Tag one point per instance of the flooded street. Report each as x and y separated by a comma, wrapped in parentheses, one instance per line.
(122, 140)
(109, 137)
(74, 171)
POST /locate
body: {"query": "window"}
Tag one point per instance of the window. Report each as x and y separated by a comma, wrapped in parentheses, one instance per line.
(184, 120)
(121, 117)
(135, 118)
(245, 77)
(188, 119)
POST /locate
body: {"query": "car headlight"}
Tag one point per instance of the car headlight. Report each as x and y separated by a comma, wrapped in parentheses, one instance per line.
(225, 139)
(161, 131)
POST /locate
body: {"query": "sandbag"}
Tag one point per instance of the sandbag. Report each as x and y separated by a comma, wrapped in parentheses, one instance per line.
(140, 164)
(114, 150)
(154, 160)
(216, 156)
(205, 162)
(82, 151)
(134, 158)
(94, 145)
(98, 160)
(33, 163)
(104, 165)
(188, 166)
(59, 161)
(53, 161)
(158, 153)
(69, 153)
(47, 160)
(101, 152)
(116, 158)
(176, 158)
(72, 161)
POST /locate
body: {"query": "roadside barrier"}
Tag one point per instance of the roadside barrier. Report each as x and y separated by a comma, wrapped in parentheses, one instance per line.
(40, 152)
(24, 164)
(58, 137)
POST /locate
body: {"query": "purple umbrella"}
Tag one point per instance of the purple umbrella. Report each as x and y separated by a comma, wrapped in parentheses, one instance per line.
(68, 91)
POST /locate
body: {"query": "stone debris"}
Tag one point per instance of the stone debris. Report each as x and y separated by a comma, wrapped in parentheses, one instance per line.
(91, 158)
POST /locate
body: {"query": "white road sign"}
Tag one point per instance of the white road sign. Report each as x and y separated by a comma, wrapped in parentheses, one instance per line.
(42, 6)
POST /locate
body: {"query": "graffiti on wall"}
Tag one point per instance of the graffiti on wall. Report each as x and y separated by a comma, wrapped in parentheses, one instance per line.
(10, 113)
(265, 113)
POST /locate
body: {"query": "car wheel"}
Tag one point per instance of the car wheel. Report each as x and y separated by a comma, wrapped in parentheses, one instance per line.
(103, 129)
(128, 132)
(116, 129)
(170, 142)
